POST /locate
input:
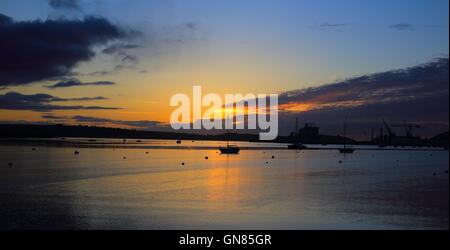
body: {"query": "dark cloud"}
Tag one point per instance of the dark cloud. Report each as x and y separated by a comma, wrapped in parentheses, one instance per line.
(116, 70)
(98, 98)
(42, 102)
(65, 4)
(100, 73)
(326, 26)
(418, 94)
(53, 117)
(121, 52)
(130, 58)
(43, 50)
(402, 26)
(137, 124)
(76, 82)
(117, 48)
(191, 25)
(91, 119)
(423, 80)
(331, 25)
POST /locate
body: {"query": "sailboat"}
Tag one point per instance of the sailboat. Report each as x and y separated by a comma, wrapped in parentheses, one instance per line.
(229, 149)
(297, 145)
(346, 150)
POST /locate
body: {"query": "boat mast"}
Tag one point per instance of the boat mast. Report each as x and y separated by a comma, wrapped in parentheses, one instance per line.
(228, 117)
(345, 132)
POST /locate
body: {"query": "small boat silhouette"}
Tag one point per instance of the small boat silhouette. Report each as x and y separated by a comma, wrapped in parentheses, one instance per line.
(346, 150)
(230, 149)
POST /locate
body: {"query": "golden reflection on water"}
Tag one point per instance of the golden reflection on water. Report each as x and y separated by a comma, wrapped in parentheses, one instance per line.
(102, 189)
(161, 181)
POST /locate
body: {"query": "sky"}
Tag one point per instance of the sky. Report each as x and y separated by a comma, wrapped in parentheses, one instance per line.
(117, 62)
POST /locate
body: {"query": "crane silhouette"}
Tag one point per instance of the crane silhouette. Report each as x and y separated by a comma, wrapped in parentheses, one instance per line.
(408, 127)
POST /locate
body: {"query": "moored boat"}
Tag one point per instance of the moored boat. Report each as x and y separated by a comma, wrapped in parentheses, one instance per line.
(230, 149)
(346, 150)
(297, 145)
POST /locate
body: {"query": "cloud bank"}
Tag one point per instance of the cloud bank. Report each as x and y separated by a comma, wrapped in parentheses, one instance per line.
(76, 82)
(402, 26)
(418, 94)
(44, 50)
(42, 102)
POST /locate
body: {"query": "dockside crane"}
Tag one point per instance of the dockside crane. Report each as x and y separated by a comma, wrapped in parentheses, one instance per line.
(390, 133)
(408, 127)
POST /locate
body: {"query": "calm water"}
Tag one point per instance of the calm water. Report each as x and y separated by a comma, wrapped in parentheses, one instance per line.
(51, 188)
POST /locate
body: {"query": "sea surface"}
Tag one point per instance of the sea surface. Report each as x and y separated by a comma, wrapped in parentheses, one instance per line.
(265, 186)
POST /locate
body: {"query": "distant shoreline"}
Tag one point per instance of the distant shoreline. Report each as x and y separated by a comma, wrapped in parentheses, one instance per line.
(54, 142)
(49, 134)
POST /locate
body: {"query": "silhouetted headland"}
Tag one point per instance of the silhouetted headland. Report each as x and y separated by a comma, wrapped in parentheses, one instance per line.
(62, 131)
